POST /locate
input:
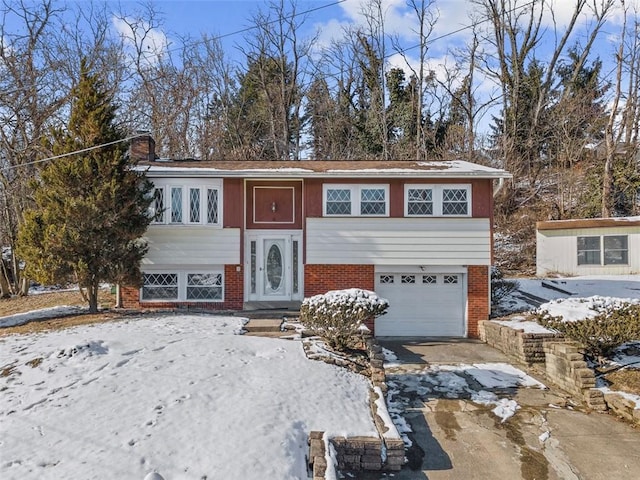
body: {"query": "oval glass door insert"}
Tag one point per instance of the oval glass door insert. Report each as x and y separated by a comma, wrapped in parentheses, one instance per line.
(274, 268)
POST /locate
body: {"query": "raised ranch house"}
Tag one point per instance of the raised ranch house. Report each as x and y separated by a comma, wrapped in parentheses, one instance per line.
(242, 235)
(592, 246)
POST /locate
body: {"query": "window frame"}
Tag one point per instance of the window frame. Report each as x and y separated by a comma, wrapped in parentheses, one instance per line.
(167, 188)
(355, 198)
(437, 198)
(183, 286)
(602, 250)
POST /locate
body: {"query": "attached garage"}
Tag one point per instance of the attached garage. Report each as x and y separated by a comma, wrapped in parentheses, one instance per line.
(422, 303)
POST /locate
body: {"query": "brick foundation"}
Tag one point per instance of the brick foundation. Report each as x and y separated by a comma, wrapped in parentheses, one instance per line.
(233, 295)
(477, 298)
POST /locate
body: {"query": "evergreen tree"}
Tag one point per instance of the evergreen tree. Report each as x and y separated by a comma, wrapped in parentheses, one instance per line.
(91, 208)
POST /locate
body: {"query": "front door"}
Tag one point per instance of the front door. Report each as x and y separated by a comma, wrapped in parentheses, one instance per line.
(273, 266)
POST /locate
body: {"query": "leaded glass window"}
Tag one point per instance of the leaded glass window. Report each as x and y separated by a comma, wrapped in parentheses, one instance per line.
(204, 286)
(454, 201)
(212, 205)
(194, 205)
(372, 201)
(160, 286)
(338, 201)
(419, 201)
(158, 205)
(176, 204)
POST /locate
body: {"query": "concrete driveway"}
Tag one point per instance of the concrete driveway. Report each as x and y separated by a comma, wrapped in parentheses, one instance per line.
(454, 437)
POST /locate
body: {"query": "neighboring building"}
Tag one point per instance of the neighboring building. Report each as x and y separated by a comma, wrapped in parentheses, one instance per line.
(242, 235)
(593, 246)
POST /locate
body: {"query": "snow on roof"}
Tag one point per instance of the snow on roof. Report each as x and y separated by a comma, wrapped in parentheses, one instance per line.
(308, 168)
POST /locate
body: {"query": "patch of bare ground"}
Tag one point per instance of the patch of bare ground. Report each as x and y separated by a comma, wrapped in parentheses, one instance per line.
(15, 305)
(624, 380)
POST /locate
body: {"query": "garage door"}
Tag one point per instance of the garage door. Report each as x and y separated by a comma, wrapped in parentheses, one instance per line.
(422, 305)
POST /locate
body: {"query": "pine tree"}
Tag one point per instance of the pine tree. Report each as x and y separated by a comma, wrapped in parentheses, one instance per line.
(91, 208)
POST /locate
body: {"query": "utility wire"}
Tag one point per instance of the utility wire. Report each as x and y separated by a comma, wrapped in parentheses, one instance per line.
(75, 152)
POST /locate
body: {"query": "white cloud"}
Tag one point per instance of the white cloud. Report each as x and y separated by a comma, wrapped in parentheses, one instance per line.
(137, 34)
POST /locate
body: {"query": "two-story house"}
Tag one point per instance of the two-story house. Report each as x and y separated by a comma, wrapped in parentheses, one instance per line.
(242, 235)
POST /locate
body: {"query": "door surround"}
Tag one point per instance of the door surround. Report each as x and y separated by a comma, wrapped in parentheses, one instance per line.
(273, 266)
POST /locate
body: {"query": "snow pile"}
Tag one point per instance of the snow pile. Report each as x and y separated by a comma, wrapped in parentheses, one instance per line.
(574, 309)
(41, 314)
(179, 395)
(524, 325)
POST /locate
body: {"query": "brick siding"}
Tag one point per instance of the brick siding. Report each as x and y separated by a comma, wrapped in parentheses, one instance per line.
(477, 298)
(322, 278)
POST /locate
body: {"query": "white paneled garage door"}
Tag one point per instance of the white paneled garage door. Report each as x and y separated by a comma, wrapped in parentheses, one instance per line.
(422, 304)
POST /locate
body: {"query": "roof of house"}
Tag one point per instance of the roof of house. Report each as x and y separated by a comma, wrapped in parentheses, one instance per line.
(321, 169)
(588, 223)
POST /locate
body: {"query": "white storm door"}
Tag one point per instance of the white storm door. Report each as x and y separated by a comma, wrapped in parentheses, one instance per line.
(275, 271)
(274, 266)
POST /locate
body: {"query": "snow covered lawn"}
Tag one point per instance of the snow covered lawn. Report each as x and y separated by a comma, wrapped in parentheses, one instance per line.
(181, 395)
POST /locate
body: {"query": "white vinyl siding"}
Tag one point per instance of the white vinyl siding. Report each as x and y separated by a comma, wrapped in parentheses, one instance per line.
(399, 241)
(200, 245)
(557, 251)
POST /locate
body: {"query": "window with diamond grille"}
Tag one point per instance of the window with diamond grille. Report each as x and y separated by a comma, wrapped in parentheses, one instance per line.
(158, 205)
(194, 205)
(372, 201)
(454, 201)
(386, 279)
(212, 205)
(408, 279)
(160, 286)
(419, 201)
(176, 205)
(338, 201)
(450, 279)
(429, 279)
(204, 286)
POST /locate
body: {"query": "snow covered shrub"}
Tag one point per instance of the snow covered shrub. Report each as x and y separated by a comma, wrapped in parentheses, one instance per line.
(600, 335)
(500, 287)
(338, 315)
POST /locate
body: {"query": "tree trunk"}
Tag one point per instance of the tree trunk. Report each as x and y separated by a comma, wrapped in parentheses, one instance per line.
(92, 294)
(5, 289)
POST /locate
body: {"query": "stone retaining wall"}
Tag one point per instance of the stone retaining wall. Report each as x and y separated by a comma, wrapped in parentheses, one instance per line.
(565, 366)
(382, 453)
(524, 347)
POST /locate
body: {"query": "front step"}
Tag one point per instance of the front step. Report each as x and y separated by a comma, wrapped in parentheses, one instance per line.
(263, 325)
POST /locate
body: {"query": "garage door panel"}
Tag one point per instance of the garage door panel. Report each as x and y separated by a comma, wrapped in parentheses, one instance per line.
(421, 304)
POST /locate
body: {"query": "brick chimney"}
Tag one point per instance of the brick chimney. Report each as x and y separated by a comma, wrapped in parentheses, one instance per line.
(143, 147)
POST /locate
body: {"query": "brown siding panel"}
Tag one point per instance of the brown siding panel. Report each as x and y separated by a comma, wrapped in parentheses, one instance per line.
(266, 193)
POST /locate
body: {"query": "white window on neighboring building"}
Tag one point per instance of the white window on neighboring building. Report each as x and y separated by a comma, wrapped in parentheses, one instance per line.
(437, 200)
(589, 251)
(603, 250)
(616, 250)
(356, 200)
(189, 204)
